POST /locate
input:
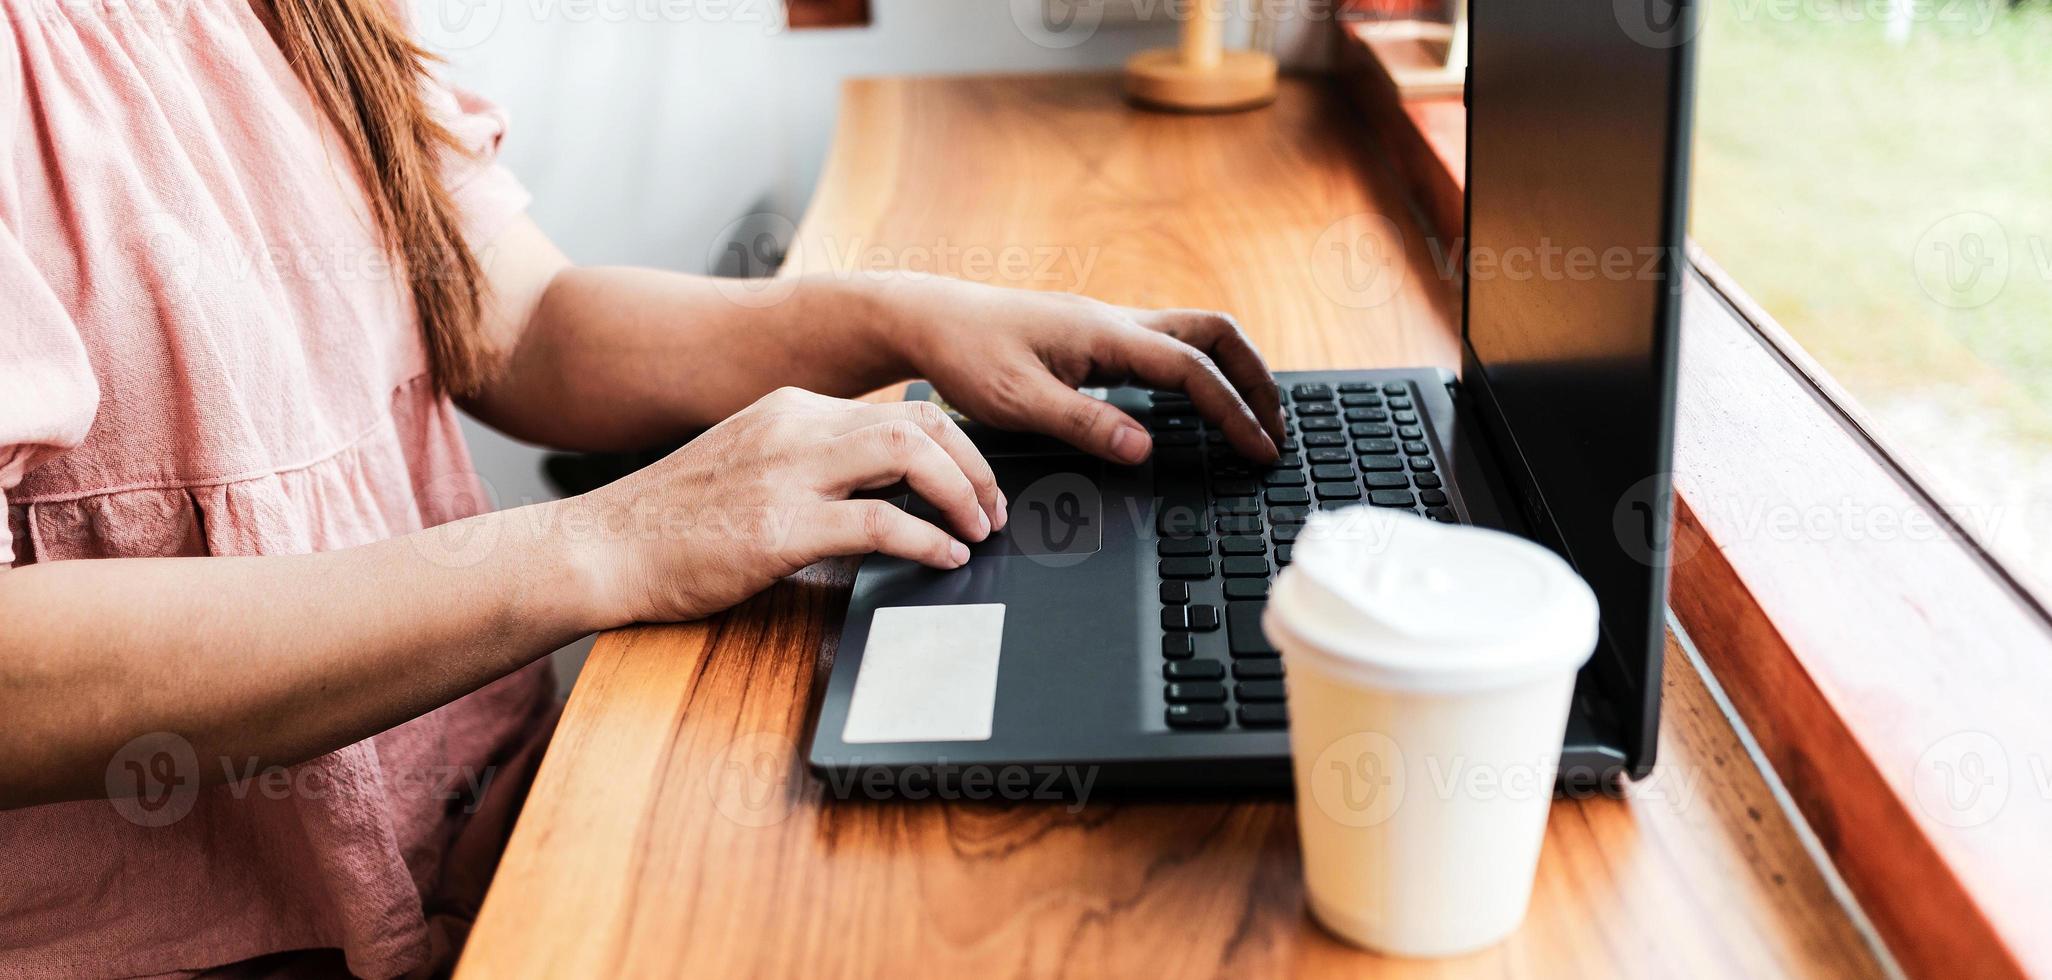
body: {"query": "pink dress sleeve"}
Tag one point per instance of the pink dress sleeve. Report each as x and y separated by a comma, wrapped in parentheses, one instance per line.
(47, 391)
(488, 197)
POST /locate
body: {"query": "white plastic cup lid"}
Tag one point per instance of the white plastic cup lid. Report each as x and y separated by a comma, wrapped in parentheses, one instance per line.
(1392, 600)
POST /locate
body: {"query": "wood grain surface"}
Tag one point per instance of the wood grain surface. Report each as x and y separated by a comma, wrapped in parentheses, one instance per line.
(674, 832)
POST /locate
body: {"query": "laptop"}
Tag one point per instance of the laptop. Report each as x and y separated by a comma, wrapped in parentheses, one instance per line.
(1114, 627)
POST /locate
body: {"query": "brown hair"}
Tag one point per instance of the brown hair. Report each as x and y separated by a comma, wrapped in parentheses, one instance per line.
(366, 74)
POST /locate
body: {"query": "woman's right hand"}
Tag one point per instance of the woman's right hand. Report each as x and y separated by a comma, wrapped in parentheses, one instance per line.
(767, 492)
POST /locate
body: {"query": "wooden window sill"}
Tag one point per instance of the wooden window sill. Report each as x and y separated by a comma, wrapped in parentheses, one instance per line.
(1894, 680)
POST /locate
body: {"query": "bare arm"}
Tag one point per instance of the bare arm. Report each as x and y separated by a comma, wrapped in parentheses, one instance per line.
(619, 358)
(277, 658)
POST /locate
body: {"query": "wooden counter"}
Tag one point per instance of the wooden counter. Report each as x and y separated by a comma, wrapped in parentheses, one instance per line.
(674, 831)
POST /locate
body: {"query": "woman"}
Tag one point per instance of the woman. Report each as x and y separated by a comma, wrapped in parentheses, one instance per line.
(252, 257)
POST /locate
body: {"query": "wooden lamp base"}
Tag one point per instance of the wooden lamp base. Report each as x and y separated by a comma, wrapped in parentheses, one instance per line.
(1161, 79)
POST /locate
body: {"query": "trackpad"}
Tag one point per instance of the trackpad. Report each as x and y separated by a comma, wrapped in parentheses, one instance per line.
(928, 674)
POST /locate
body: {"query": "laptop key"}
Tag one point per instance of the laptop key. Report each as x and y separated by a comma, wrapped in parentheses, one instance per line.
(1242, 544)
(1332, 471)
(1182, 547)
(1324, 440)
(1175, 619)
(1381, 464)
(1444, 515)
(1187, 568)
(1289, 515)
(1391, 498)
(1178, 646)
(1426, 481)
(1175, 593)
(1240, 524)
(1353, 386)
(1242, 565)
(1247, 588)
(1361, 401)
(1257, 690)
(1288, 496)
(1385, 481)
(1257, 670)
(1396, 388)
(1433, 498)
(1411, 432)
(1194, 692)
(1375, 447)
(1314, 409)
(1421, 464)
(1320, 425)
(1203, 619)
(1266, 715)
(1197, 716)
(1282, 557)
(1367, 415)
(1243, 630)
(1311, 393)
(1193, 670)
(1291, 477)
(1180, 517)
(1285, 533)
(1370, 430)
(1416, 448)
(1329, 456)
(1338, 491)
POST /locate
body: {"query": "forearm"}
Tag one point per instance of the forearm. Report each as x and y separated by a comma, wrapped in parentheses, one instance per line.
(276, 659)
(622, 358)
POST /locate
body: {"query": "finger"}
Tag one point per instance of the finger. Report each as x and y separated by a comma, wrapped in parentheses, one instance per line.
(1221, 337)
(943, 430)
(1047, 405)
(1162, 361)
(886, 452)
(858, 527)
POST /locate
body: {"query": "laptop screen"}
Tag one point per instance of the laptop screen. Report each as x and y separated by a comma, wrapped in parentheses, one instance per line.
(1577, 152)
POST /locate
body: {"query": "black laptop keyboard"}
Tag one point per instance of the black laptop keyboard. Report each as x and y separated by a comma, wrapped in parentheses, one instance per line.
(1226, 527)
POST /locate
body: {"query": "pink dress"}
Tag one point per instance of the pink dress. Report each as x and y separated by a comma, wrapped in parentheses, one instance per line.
(203, 352)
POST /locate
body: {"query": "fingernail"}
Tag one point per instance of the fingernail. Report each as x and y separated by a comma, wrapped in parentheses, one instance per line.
(959, 552)
(982, 524)
(1004, 515)
(1129, 445)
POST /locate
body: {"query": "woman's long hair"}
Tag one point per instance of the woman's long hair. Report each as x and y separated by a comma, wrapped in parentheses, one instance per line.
(366, 74)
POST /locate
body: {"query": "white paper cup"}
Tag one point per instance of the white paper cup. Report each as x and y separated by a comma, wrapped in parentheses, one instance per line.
(1430, 668)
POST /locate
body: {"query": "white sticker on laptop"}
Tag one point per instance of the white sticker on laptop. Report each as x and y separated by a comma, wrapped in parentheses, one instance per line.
(928, 674)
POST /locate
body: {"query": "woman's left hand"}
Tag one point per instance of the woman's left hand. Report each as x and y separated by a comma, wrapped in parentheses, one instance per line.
(1014, 358)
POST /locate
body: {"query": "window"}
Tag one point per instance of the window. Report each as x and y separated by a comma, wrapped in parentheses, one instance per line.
(1872, 174)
